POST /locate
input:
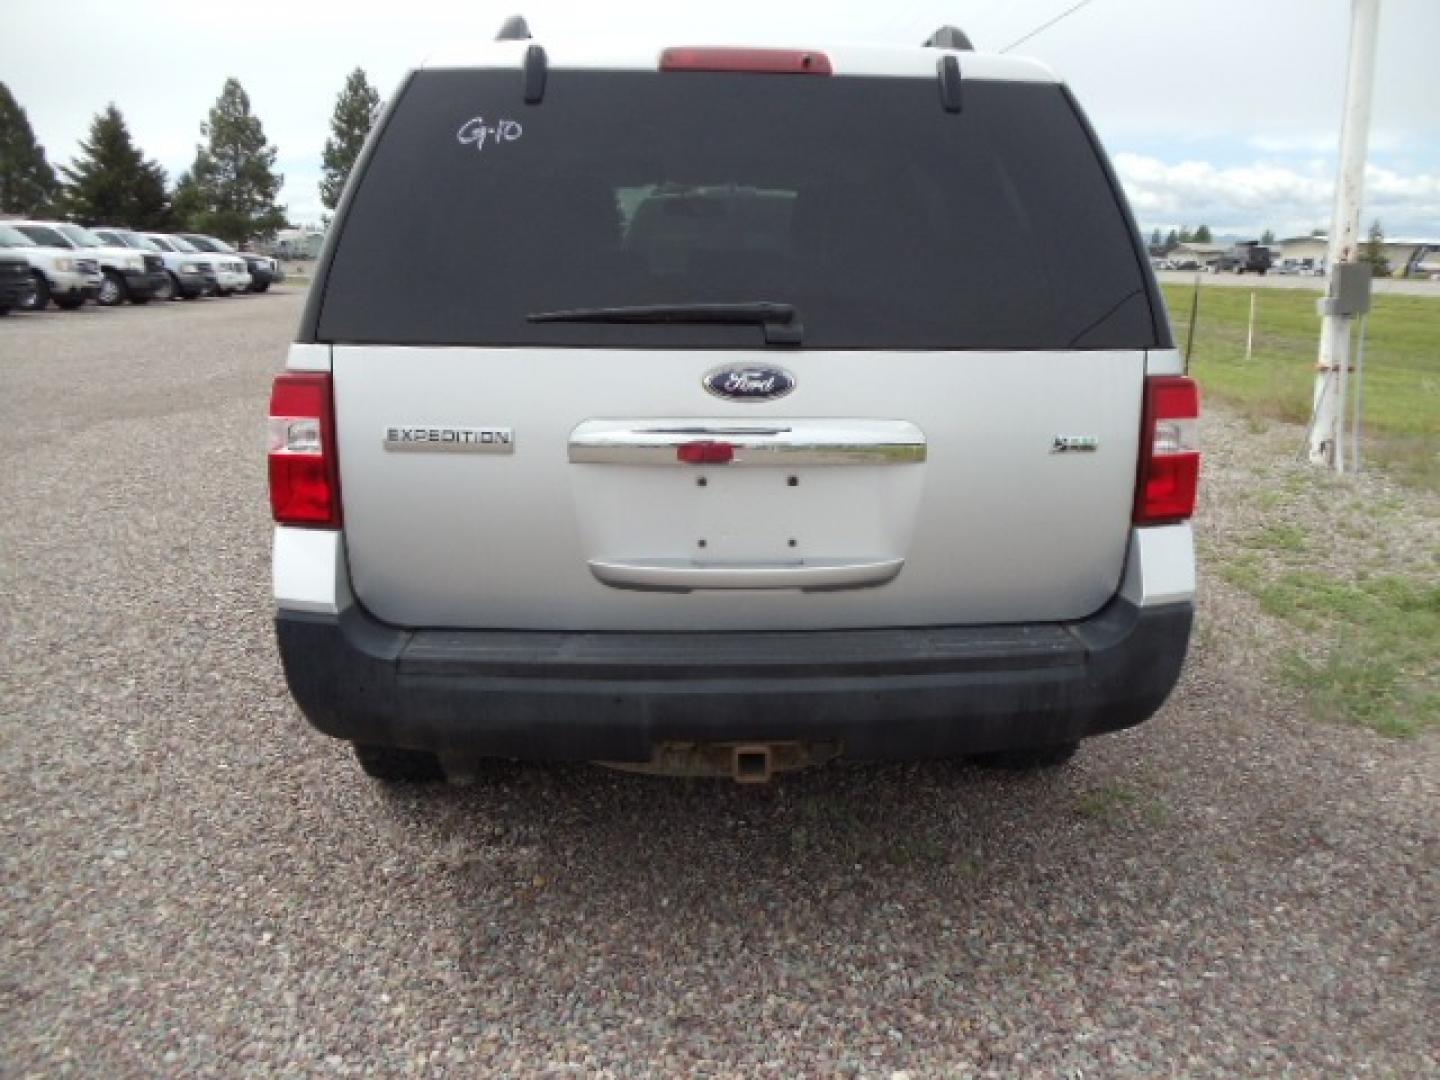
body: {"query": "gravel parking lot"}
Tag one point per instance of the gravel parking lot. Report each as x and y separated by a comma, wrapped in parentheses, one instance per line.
(195, 883)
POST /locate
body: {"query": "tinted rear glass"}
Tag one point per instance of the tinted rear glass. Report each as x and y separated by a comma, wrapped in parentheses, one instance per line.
(888, 222)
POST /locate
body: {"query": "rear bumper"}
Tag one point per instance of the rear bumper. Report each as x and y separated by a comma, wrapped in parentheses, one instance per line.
(883, 694)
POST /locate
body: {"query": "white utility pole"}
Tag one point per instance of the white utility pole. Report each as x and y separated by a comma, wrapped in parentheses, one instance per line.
(1326, 431)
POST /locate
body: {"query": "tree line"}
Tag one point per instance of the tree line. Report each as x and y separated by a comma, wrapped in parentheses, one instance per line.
(229, 191)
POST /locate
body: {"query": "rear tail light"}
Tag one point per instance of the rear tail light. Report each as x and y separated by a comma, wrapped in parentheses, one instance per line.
(1169, 451)
(771, 61)
(304, 477)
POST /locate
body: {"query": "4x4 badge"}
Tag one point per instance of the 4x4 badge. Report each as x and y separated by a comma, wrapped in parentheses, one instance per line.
(749, 382)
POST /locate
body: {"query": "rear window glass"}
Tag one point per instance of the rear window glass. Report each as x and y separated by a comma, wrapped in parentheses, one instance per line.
(886, 221)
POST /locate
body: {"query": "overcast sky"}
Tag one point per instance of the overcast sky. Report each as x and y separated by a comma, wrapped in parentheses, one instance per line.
(1217, 111)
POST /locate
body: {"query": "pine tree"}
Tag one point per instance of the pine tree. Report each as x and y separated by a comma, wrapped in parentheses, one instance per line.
(1202, 234)
(1186, 236)
(1155, 240)
(27, 182)
(1373, 251)
(1172, 240)
(230, 190)
(1268, 236)
(111, 183)
(356, 110)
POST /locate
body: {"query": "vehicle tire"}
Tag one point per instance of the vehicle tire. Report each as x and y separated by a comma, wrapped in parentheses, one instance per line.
(39, 298)
(140, 299)
(4, 310)
(1040, 757)
(170, 290)
(396, 766)
(112, 289)
(223, 292)
(70, 303)
(261, 288)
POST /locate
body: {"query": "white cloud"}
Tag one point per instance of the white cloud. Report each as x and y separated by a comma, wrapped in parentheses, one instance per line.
(1286, 197)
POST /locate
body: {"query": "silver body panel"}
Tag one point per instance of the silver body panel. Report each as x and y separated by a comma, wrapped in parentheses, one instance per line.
(976, 522)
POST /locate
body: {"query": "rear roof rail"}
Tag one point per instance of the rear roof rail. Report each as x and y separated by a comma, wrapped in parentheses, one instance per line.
(949, 37)
(515, 28)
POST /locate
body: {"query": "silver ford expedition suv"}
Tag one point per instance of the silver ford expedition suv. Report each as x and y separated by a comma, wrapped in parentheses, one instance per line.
(788, 403)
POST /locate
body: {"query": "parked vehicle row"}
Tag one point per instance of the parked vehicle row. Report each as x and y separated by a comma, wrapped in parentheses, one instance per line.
(1300, 267)
(70, 264)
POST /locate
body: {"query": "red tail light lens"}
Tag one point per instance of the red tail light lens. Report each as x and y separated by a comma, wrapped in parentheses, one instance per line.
(705, 452)
(771, 61)
(1169, 451)
(304, 477)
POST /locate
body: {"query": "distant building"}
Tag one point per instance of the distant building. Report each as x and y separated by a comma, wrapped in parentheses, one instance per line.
(295, 244)
(1300, 248)
(1400, 252)
(1192, 251)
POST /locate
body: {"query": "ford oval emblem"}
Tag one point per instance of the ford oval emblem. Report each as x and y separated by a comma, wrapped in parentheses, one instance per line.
(749, 382)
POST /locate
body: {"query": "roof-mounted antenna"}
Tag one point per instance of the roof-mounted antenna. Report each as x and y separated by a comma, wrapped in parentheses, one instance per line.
(515, 28)
(950, 37)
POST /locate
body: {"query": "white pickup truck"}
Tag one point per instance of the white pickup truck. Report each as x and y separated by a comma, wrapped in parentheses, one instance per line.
(797, 402)
(57, 273)
(231, 271)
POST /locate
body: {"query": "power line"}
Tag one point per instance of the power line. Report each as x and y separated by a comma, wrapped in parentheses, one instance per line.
(1046, 26)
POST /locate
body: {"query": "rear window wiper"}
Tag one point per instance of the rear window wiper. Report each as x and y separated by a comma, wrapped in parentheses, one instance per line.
(780, 322)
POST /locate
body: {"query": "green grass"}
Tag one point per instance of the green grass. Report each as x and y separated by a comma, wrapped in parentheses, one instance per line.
(1373, 652)
(1113, 802)
(1402, 366)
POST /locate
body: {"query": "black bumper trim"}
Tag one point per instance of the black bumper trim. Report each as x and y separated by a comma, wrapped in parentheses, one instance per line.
(899, 693)
(143, 284)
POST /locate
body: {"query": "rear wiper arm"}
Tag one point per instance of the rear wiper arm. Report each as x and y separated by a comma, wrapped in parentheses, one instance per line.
(781, 322)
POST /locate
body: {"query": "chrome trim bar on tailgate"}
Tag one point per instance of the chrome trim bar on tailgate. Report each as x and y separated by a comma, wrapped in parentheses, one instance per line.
(778, 443)
(686, 575)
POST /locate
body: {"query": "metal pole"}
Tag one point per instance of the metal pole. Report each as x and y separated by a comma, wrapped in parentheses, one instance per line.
(1250, 333)
(1194, 316)
(1334, 358)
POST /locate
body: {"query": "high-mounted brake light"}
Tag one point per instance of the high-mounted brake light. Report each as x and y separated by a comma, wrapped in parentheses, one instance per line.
(771, 61)
(1169, 477)
(304, 477)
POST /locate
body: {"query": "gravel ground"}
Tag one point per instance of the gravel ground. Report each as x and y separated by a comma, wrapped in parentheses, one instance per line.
(195, 883)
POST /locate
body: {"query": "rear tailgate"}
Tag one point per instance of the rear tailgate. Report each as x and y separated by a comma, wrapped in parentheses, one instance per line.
(992, 526)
